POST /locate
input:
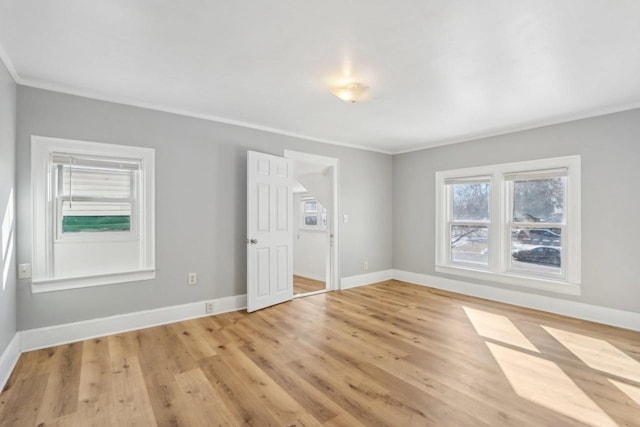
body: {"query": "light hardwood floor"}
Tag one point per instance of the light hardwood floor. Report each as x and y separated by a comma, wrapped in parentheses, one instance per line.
(303, 285)
(387, 354)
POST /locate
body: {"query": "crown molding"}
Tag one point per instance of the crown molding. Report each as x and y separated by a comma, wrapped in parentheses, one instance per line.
(53, 87)
(9, 64)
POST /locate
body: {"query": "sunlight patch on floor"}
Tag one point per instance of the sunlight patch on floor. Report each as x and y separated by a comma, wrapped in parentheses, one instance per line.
(544, 383)
(632, 391)
(498, 328)
(598, 354)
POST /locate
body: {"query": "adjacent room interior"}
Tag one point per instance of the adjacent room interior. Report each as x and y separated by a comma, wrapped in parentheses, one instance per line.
(330, 214)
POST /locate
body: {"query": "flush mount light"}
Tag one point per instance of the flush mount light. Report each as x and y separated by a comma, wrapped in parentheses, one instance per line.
(352, 92)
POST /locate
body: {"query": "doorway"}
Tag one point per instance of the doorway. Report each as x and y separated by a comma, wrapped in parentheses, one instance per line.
(315, 214)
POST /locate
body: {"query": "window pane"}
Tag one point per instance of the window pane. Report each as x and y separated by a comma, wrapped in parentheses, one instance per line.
(470, 202)
(72, 224)
(95, 216)
(539, 200)
(537, 236)
(469, 244)
(537, 249)
(311, 220)
(311, 206)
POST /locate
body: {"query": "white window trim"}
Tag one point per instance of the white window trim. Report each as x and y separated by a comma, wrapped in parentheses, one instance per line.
(497, 270)
(43, 205)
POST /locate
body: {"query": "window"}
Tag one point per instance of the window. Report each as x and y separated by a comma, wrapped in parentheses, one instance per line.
(314, 215)
(469, 221)
(93, 194)
(93, 213)
(516, 223)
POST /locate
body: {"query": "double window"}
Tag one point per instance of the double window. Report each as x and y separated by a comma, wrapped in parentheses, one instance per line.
(516, 223)
(93, 213)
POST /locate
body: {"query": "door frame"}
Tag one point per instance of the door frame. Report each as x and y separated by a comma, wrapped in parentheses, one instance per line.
(334, 163)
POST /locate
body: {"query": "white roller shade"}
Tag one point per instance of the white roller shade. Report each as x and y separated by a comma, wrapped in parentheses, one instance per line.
(468, 180)
(538, 174)
(80, 181)
(93, 186)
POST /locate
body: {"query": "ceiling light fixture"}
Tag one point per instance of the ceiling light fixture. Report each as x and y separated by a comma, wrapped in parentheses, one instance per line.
(352, 92)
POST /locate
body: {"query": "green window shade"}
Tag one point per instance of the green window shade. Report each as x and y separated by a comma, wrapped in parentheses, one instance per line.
(71, 224)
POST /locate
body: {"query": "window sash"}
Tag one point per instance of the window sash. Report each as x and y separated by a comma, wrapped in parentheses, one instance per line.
(88, 186)
(510, 224)
(563, 249)
(475, 264)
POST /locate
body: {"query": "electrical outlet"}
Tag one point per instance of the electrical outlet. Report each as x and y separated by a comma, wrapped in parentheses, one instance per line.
(193, 279)
(365, 265)
(208, 307)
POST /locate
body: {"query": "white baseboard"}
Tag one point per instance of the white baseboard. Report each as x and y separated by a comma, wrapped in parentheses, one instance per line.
(365, 279)
(34, 339)
(8, 359)
(579, 310)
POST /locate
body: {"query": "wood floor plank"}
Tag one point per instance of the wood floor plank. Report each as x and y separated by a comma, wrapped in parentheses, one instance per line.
(194, 339)
(311, 399)
(130, 398)
(96, 386)
(20, 405)
(61, 393)
(284, 408)
(237, 395)
(303, 285)
(387, 354)
(203, 404)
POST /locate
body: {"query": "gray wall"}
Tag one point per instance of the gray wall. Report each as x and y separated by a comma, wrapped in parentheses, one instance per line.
(610, 150)
(200, 203)
(7, 182)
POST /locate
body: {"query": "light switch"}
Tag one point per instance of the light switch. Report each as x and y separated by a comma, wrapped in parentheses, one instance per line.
(345, 218)
(24, 271)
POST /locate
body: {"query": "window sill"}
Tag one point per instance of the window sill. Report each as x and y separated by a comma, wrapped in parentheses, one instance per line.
(550, 285)
(62, 284)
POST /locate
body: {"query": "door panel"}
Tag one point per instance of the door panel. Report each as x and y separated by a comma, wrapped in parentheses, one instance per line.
(269, 230)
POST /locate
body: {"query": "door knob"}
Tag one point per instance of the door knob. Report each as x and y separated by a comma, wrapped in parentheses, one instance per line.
(252, 241)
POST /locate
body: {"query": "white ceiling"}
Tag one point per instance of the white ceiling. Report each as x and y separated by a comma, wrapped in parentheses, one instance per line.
(440, 71)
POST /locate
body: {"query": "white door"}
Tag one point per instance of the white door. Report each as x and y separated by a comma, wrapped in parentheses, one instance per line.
(269, 230)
